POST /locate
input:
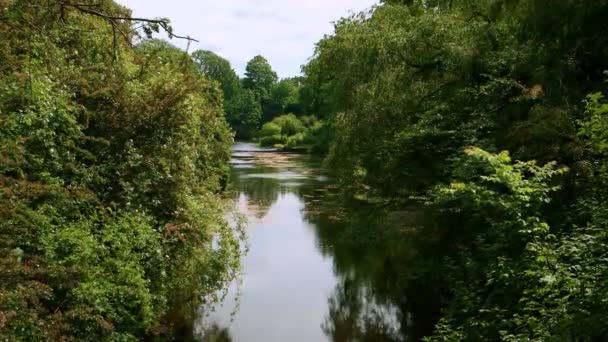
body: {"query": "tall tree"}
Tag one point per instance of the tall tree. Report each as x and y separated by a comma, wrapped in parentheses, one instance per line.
(260, 78)
(412, 84)
(218, 69)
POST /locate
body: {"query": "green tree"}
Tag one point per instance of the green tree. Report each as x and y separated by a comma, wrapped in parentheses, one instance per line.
(409, 85)
(426, 81)
(284, 98)
(218, 69)
(260, 78)
(248, 115)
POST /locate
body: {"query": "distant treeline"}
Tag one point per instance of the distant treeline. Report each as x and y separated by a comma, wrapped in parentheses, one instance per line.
(263, 108)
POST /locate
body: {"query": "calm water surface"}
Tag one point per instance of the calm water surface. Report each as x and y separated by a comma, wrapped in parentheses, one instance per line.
(308, 276)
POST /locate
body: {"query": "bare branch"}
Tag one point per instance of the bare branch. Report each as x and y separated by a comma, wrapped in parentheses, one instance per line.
(163, 23)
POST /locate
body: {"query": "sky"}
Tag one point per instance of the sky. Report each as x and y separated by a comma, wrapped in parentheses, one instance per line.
(283, 31)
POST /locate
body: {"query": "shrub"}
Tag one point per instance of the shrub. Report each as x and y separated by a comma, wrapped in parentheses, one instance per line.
(270, 129)
(290, 131)
(273, 140)
(289, 124)
(297, 140)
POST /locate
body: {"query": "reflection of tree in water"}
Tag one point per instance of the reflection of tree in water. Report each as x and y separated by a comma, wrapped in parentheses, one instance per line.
(215, 333)
(208, 333)
(360, 311)
(380, 297)
(354, 315)
(262, 184)
(261, 192)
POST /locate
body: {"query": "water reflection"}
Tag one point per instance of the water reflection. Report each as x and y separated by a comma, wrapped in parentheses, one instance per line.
(377, 298)
(215, 333)
(316, 270)
(355, 315)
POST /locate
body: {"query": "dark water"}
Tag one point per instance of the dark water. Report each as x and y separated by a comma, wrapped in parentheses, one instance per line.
(315, 270)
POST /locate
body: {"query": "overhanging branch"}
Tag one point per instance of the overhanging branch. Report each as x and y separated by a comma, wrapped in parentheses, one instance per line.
(114, 19)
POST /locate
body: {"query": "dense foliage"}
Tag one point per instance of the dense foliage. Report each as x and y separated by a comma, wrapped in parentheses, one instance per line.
(409, 87)
(291, 132)
(112, 158)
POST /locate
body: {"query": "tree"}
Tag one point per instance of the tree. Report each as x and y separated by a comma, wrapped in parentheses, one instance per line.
(218, 69)
(259, 78)
(284, 98)
(248, 115)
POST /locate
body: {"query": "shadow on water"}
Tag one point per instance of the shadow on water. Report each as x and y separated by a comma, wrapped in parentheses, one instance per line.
(352, 280)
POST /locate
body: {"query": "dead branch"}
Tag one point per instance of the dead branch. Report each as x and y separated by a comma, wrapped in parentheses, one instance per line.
(113, 19)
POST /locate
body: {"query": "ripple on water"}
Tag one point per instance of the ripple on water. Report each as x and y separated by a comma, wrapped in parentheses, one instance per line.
(243, 155)
(292, 184)
(243, 166)
(285, 175)
(240, 162)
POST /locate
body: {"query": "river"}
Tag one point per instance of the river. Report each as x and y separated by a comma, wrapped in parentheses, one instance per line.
(310, 274)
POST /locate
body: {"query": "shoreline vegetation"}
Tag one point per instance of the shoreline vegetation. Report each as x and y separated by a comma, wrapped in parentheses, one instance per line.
(113, 150)
(489, 118)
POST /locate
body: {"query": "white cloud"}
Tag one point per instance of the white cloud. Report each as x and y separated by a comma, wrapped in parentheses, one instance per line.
(283, 31)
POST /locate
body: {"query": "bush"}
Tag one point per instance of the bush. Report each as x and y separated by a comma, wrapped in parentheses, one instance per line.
(289, 124)
(297, 140)
(273, 140)
(290, 131)
(509, 250)
(270, 129)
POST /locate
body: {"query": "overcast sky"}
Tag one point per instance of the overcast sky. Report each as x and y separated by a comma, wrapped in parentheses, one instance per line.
(283, 31)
